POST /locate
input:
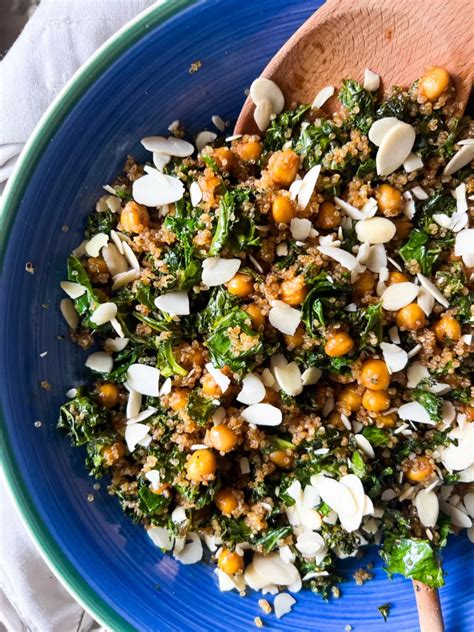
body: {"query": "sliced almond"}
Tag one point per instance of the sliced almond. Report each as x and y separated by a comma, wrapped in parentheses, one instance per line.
(171, 146)
(144, 379)
(282, 604)
(161, 537)
(414, 411)
(311, 376)
(412, 163)
(395, 147)
(73, 290)
(371, 80)
(124, 278)
(263, 113)
(284, 318)
(460, 159)
(263, 88)
(300, 228)
(100, 362)
(156, 189)
(134, 403)
(433, 290)
(343, 257)
(222, 381)
(364, 444)
(395, 357)
(69, 313)
(116, 262)
(95, 245)
(195, 193)
(104, 313)
(160, 160)
(217, 271)
(348, 209)
(307, 188)
(375, 230)
(175, 303)
(323, 95)
(289, 379)
(380, 128)
(205, 138)
(253, 390)
(398, 295)
(262, 415)
(134, 433)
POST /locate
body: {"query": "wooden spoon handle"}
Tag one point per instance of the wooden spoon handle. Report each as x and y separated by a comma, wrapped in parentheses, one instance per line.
(429, 608)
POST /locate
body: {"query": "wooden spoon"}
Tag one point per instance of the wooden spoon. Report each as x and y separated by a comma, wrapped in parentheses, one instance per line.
(397, 39)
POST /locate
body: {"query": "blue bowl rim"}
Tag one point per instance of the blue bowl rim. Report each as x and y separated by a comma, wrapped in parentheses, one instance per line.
(49, 124)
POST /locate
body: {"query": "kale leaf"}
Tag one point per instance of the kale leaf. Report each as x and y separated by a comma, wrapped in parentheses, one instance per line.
(430, 402)
(235, 230)
(375, 436)
(88, 302)
(282, 127)
(81, 418)
(166, 361)
(322, 301)
(359, 102)
(152, 504)
(316, 140)
(440, 202)
(358, 464)
(227, 350)
(181, 258)
(420, 249)
(271, 538)
(200, 408)
(414, 558)
(101, 222)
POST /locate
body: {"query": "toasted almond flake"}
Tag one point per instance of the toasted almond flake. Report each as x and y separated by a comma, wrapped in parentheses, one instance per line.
(307, 188)
(73, 290)
(262, 415)
(263, 113)
(218, 122)
(433, 290)
(323, 95)
(118, 240)
(460, 159)
(409, 206)
(100, 362)
(81, 249)
(178, 515)
(300, 228)
(166, 387)
(395, 147)
(289, 379)
(370, 208)
(253, 390)
(414, 411)
(156, 189)
(220, 378)
(371, 80)
(170, 146)
(267, 378)
(295, 188)
(412, 163)
(192, 551)
(255, 264)
(95, 245)
(398, 295)
(395, 357)
(349, 519)
(131, 257)
(309, 543)
(270, 569)
(467, 338)
(116, 262)
(145, 414)
(419, 193)
(284, 318)
(348, 209)
(364, 444)
(115, 344)
(464, 244)
(117, 327)
(468, 501)
(104, 313)
(195, 193)
(448, 412)
(380, 128)
(161, 537)
(311, 376)
(216, 271)
(229, 139)
(263, 88)
(425, 300)
(205, 138)
(174, 303)
(458, 517)
(328, 406)
(124, 278)
(144, 379)
(160, 160)
(427, 506)
(461, 456)
(226, 582)
(134, 403)
(343, 257)
(413, 352)
(375, 230)
(461, 199)
(287, 554)
(334, 494)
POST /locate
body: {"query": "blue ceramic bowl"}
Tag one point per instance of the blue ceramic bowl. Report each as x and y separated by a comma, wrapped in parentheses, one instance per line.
(135, 86)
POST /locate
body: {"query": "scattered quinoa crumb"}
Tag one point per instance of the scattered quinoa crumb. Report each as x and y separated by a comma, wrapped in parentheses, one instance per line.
(29, 267)
(258, 622)
(265, 606)
(195, 66)
(45, 385)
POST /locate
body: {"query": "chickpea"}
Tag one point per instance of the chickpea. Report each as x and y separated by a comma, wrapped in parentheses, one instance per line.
(364, 284)
(240, 285)
(178, 399)
(374, 375)
(226, 500)
(113, 453)
(222, 438)
(433, 83)
(201, 466)
(402, 228)
(293, 292)
(230, 562)
(249, 150)
(283, 167)
(224, 158)
(350, 398)
(335, 420)
(328, 216)
(134, 218)
(192, 355)
(469, 412)
(108, 395)
(282, 458)
(387, 421)
(296, 339)
(420, 469)
(209, 183)
(396, 277)
(97, 270)
(411, 317)
(210, 386)
(256, 315)
(447, 328)
(389, 200)
(375, 401)
(283, 209)
(338, 344)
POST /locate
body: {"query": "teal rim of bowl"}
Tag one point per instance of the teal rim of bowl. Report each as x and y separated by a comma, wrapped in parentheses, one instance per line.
(49, 123)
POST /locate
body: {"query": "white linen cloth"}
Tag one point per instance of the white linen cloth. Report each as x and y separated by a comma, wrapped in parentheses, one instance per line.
(59, 37)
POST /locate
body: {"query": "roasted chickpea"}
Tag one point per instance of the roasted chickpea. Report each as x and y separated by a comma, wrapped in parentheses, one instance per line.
(350, 398)
(249, 150)
(210, 386)
(447, 329)
(134, 218)
(328, 216)
(97, 270)
(387, 421)
(335, 420)
(112, 453)
(338, 344)
(396, 277)
(201, 466)
(296, 339)
(178, 399)
(222, 438)
(283, 209)
(108, 394)
(256, 315)
(375, 401)
(282, 458)
(411, 317)
(230, 562)
(469, 412)
(389, 200)
(374, 375)
(364, 284)
(240, 285)
(226, 501)
(433, 83)
(283, 167)
(209, 183)
(420, 469)
(293, 292)
(224, 158)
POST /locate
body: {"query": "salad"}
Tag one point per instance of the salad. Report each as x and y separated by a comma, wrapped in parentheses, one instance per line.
(282, 343)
